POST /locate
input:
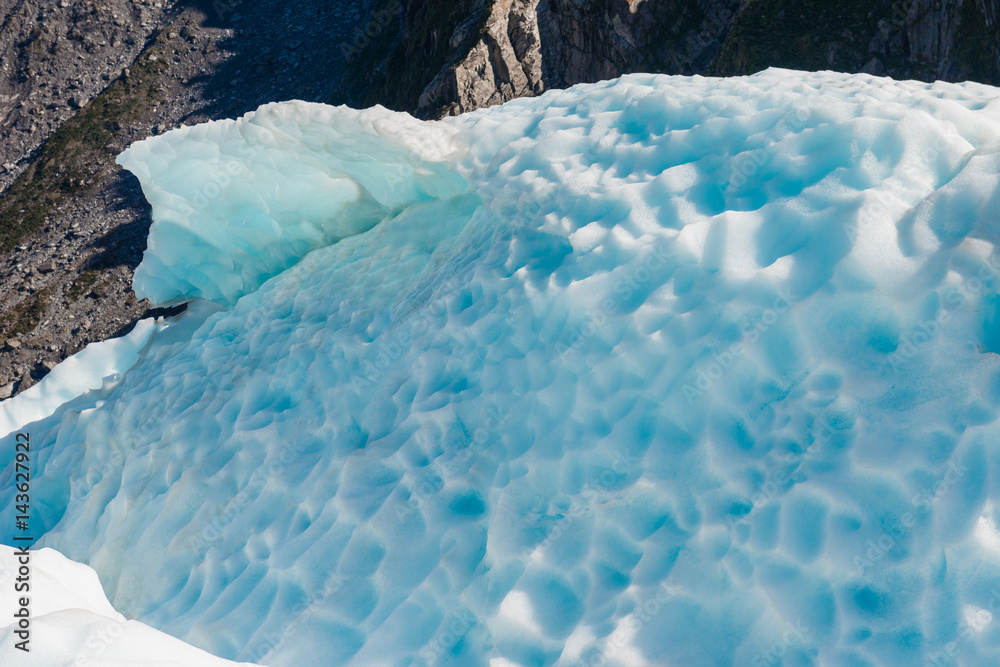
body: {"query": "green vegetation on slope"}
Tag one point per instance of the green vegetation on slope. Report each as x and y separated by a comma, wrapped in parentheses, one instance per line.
(80, 152)
(25, 316)
(83, 283)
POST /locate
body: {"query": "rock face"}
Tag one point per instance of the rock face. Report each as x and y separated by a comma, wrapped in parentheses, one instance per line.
(502, 49)
(504, 63)
(80, 81)
(53, 57)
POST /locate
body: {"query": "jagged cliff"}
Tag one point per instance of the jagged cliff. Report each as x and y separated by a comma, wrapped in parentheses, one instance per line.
(485, 52)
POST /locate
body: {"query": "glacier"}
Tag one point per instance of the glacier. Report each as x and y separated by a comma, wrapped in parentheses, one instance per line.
(655, 371)
(74, 624)
(237, 202)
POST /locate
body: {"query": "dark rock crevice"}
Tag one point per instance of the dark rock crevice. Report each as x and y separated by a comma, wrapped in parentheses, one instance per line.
(524, 47)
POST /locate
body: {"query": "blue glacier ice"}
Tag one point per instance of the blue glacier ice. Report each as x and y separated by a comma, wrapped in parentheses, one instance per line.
(72, 622)
(655, 371)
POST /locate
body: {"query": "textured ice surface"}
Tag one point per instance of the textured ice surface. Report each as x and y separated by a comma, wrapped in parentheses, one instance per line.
(75, 376)
(73, 625)
(83, 379)
(237, 201)
(660, 371)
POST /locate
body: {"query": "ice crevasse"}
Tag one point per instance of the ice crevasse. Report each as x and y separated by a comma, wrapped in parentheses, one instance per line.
(656, 371)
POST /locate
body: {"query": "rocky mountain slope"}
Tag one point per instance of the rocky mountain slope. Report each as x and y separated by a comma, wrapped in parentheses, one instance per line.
(79, 82)
(82, 79)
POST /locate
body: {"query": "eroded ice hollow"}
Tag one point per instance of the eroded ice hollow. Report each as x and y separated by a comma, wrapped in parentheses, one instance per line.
(657, 371)
(238, 201)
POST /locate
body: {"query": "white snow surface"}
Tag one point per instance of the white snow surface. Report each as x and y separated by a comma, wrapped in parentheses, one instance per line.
(657, 371)
(72, 624)
(75, 376)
